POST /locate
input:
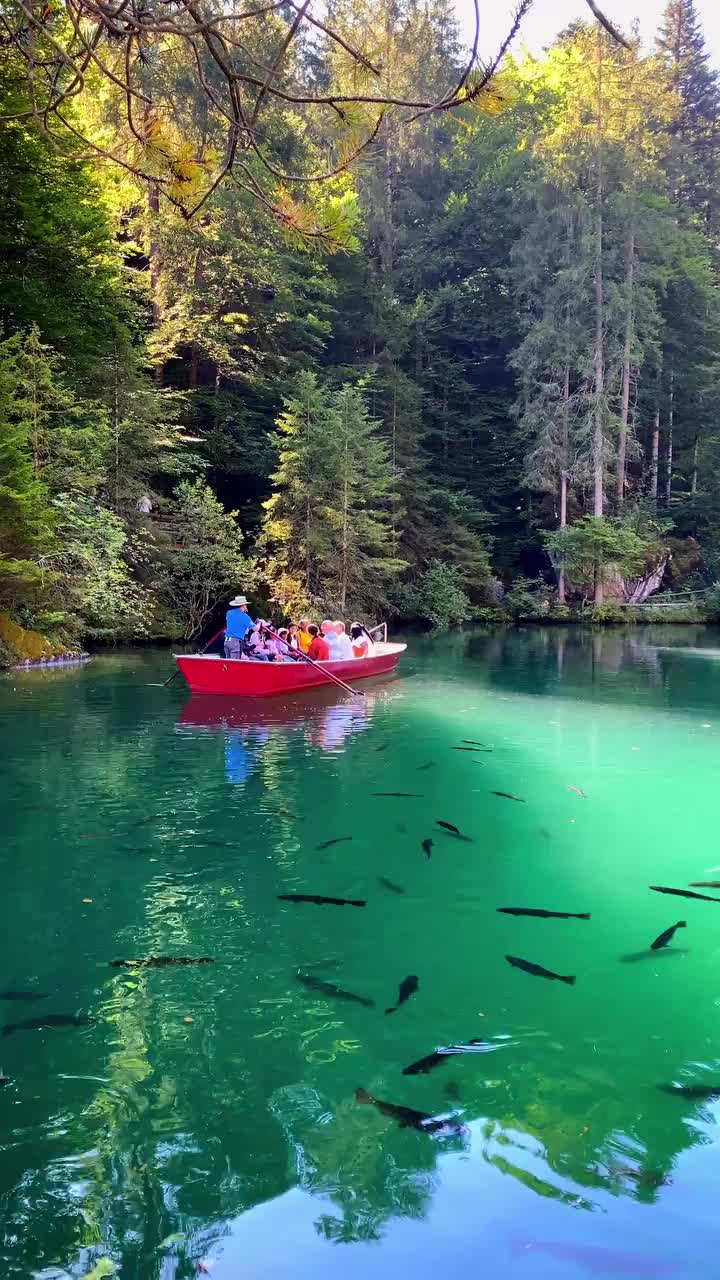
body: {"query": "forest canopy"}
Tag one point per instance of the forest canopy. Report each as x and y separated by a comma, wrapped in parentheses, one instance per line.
(312, 304)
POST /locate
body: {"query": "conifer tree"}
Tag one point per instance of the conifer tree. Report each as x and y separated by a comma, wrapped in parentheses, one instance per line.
(694, 160)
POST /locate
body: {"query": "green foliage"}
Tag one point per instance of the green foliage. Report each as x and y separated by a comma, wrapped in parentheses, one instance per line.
(527, 598)
(711, 604)
(91, 578)
(593, 542)
(205, 562)
(609, 614)
(437, 596)
(327, 529)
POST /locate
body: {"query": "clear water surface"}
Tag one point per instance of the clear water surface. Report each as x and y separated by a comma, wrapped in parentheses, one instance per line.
(207, 1120)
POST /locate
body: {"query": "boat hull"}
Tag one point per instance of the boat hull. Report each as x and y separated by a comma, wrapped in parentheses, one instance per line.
(243, 678)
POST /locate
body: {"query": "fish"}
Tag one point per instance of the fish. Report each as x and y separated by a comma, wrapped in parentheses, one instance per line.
(50, 1020)
(544, 915)
(422, 767)
(400, 795)
(663, 938)
(23, 995)
(408, 1117)
(483, 751)
(696, 1091)
(578, 792)
(390, 885)
(428, 846)
(329, 989)
(320, 900)
(507, 795)
(538, 971)
(705, 884)
(682, 893)
(326, 844)
(159, 962)
(407, 988)
(474, 743)
(424, 1065)
(449, 826)
(384, 747)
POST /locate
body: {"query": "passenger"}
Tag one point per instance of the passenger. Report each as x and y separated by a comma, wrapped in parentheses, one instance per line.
(292, 635)
(343, 645)
(238, 624)
(319, 650)
(359, 641)
(304, 637)
(331, 636)
(283, 648)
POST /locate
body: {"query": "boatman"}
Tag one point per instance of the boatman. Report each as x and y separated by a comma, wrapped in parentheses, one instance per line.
(237, 625)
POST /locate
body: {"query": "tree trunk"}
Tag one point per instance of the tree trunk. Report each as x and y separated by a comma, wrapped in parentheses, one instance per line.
(669, 456)
(599, 353)
(564, 480)
(627, 353)
(693, 481)
(345, 529)
(655, 441)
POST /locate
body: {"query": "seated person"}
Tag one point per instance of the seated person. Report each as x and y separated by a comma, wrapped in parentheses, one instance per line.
(331, 637)
(343, 645)
(318, 650)
(359, 641)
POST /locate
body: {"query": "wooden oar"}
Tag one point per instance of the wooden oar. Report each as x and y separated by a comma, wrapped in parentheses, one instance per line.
(359, 693)
(207, 646)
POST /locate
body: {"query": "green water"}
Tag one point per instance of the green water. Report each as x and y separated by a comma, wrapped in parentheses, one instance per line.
(237, 1134)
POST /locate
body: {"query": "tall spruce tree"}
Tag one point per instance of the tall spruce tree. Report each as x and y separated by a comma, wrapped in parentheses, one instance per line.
(694, 160)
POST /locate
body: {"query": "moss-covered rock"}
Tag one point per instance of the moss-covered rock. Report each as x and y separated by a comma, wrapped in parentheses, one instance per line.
(19, 645)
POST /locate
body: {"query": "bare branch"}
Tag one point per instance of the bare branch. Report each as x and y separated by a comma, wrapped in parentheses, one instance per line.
(607, 24)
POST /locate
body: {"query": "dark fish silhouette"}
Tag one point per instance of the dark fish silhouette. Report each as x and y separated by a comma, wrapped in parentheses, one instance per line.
(449, 826)
(50, 1020)
(422, 767)
(538, 971)
(544, 915)
(384, 747)
(427, 846)
(400, 795)
(474, 743)
(697, 1091)
(682, 893)
(408, 1117)
(407, 988)
(159, 962)
(705, 884)
(390, 884)
(663, 938)
(326, 844)
(424, 1065)
(481, 751)
(329, 989)
(507, 795)
(320, 900)
(23, 995)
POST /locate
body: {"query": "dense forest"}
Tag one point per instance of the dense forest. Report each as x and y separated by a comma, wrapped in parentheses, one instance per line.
(438, 364)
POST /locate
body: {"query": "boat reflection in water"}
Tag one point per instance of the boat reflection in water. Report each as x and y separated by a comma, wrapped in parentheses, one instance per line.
(321, 719)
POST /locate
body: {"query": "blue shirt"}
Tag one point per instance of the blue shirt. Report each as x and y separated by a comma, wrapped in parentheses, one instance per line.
(238, 623)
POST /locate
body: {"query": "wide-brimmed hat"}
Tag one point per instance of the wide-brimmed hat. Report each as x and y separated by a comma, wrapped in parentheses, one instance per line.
(238, 600)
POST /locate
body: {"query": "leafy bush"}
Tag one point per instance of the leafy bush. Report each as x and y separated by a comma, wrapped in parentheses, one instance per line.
(608, 614)
(437, 597)
(711, 604)
(527, 598)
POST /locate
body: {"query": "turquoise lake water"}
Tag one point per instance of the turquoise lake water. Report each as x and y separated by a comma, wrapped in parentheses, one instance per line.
(206, 1120)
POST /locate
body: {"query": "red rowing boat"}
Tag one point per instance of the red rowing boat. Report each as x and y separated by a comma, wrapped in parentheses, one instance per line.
(248, 678)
